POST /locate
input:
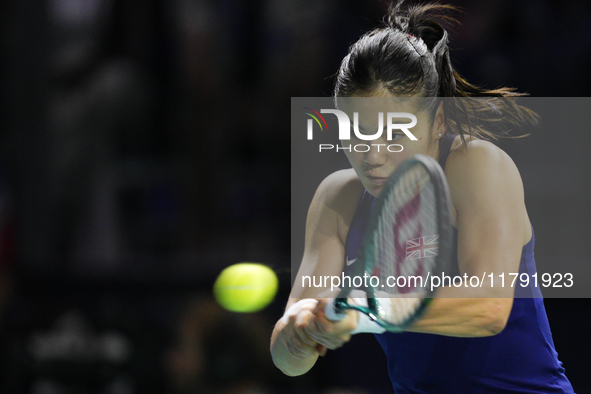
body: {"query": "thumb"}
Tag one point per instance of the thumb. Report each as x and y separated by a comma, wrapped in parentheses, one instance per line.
(319, 309)
(321, 349)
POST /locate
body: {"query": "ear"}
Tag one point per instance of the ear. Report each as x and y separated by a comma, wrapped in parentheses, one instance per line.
(439, 124)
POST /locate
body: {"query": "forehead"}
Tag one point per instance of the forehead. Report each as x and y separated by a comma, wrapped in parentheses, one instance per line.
(373, 105)
(369, 108)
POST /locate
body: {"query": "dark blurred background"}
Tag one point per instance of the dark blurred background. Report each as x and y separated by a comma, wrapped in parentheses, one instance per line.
(144, 147)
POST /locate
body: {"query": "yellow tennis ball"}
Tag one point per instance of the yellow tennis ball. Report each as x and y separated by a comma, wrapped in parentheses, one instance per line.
(245, 287)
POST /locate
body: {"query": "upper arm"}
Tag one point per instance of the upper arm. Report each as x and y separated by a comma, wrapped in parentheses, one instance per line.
(487, 192)
(329, 217)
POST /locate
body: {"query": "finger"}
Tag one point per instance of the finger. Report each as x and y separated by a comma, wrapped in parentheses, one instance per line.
(321, 349)
(331, 342)
(303, 337)
(319, 309)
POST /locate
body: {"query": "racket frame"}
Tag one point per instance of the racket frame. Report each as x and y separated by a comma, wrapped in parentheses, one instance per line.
(445, 247)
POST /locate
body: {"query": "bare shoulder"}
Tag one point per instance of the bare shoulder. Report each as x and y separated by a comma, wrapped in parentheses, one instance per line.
(478, 163)
(479, 153)
(484, 180)
(339, 193)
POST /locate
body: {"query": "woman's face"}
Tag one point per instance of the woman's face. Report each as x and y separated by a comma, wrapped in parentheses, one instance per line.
(374, 161)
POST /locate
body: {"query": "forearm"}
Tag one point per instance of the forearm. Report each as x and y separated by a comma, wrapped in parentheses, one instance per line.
(304, 333)
(465, 313)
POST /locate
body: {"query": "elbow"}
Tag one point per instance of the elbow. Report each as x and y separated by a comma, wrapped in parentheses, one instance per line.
(495, 326)
(497, 315)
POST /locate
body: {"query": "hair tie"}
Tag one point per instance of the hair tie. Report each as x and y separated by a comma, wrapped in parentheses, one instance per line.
(409, 35)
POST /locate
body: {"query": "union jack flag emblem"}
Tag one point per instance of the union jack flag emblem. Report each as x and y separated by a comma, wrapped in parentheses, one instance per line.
(419, 248)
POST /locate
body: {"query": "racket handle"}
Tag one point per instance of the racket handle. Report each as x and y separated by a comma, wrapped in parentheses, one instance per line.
(332, 312)
(364, 323)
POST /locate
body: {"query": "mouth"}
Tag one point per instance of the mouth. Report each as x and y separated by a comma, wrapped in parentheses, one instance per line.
(378, 181)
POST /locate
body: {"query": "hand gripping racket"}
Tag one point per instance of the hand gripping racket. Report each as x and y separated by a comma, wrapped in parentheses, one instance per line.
(407, 241)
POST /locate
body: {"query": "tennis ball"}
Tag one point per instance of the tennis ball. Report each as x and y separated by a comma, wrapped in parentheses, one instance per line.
(245, 287)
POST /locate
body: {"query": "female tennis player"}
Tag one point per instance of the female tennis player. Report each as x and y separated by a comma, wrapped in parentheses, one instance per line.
(469, 339)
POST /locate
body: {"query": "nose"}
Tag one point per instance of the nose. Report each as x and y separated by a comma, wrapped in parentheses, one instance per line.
(376, 155)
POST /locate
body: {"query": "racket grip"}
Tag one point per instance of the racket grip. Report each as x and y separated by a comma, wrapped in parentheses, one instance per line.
(331, 311)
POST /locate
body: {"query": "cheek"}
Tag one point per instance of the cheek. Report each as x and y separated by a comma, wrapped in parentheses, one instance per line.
(420, 146)
(400, 157)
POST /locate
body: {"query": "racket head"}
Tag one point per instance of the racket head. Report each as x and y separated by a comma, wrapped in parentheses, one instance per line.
(409, 237)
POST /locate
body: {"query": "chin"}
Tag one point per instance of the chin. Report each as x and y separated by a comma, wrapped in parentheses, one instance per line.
(373, 190)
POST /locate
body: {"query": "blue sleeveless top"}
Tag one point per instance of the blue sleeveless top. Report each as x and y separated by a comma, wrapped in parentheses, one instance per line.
(521, 359)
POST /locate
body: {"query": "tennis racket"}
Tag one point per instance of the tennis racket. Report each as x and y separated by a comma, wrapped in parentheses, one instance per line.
(407, 241)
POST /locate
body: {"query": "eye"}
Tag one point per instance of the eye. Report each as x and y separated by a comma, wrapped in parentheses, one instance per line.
(397, 136)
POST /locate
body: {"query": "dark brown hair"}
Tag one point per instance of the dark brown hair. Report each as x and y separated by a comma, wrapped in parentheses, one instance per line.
(409, 56)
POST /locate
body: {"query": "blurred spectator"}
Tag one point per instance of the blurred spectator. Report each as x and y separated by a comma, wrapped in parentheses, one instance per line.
(219, 352)
(64, 342)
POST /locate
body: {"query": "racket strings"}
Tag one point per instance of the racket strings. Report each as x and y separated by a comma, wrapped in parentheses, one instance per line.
(405, 241)
(401, 244)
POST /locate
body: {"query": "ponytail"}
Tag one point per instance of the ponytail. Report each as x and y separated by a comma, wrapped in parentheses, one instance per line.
(410, 56)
